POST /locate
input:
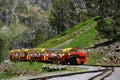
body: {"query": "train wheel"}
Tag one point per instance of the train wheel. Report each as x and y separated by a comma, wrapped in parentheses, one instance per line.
(73, 62)
(63, 63)
(82, 62)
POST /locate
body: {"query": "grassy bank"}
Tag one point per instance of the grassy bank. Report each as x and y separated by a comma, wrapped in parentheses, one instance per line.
(94, 59)
(34, 69)
(82, 35)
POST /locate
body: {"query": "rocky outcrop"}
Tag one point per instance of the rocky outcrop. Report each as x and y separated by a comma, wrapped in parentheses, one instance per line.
(4, 67)
(19, 21)
(111, 53)
(44, 4)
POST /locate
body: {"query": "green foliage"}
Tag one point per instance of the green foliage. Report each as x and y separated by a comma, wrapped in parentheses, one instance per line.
(38, 38)
(6, 75)
(85, 32)
(104, 26)
(107, 28)
(63, 15)
(95, 58)
(21, 7)
(1, 47)
(26, 66)
(85, 39)
(108, 25)
(1, 23)
(10, 72)
(22, 68)
(92, 7)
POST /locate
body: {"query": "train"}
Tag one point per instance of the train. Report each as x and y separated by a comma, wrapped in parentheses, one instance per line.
(62, 56)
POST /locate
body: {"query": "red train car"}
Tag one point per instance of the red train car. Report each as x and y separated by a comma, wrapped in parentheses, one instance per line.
(53, 55)
(37, 54)
(14, 55)
(23, 55)
(78, 58)
(73, 56)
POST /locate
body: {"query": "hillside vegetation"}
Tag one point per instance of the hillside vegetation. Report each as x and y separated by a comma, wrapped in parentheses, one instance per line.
(81, 35)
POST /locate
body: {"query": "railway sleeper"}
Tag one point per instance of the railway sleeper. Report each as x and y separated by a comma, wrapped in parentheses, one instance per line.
(53, 68)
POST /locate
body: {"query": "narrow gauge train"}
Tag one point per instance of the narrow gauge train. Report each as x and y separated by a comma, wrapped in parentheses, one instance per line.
(64, 56)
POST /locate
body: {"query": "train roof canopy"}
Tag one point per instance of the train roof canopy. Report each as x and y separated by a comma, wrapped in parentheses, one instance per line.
(39, 49)
(15, 50)
(67, 49)
(54, 49)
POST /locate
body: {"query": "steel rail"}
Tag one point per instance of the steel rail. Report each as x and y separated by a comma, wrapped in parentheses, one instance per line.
(69, 74)
(103, 75)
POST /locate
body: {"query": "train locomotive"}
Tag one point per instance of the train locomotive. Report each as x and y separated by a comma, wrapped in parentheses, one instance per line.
(63, 56)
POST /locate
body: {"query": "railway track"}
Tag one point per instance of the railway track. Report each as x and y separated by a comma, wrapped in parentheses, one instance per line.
(103, 73)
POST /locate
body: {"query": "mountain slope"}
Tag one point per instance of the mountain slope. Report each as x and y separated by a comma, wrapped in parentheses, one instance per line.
(19, 21)
(18, 17)
(81, 35)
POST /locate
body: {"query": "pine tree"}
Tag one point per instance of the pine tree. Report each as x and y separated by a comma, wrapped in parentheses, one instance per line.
(110, 22)
(63, 15)
(1, 47)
